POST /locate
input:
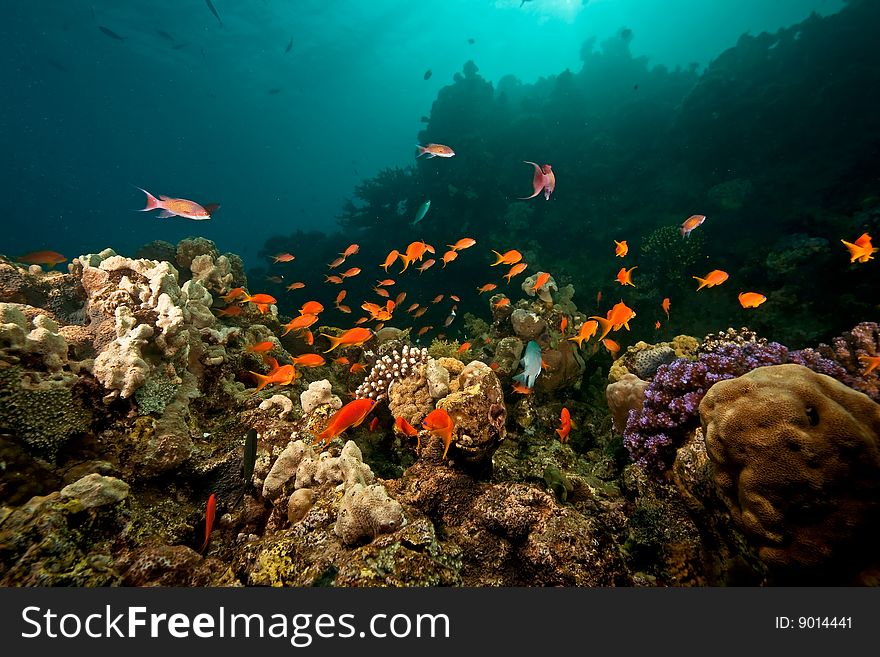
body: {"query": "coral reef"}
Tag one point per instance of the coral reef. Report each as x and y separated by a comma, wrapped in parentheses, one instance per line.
(624, 395)
(797, 459)
(390, 368)
(845, 349)
(319, 393)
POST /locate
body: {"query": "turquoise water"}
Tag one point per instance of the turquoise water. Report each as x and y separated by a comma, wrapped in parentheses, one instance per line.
(279, 111)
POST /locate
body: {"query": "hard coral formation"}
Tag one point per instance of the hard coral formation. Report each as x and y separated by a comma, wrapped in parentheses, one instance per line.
(390, 368)
(319, 393)
(366, 512)
(673, 397)
(863, 340)
(797, 462)
(624, 395)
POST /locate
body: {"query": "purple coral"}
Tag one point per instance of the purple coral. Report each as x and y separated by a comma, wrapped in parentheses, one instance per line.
(672, 400)
(863, 340)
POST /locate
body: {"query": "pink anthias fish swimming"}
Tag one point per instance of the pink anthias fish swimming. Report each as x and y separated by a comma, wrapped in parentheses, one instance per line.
(177, 207)
(544, 181)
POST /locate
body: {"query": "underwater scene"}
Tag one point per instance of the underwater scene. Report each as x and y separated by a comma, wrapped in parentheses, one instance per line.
(441, 293)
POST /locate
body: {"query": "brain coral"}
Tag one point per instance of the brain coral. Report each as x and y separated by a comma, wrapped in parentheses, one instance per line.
(797, 462)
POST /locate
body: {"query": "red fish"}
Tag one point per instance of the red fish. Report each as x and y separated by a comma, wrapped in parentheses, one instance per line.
(588, 330)
(563, 324)
(175, 207)
(624, 276)
(861, 250)
(488, 287)
(463, 348)
(261, 347)
(621, 248)
(350, 251)
(259, 299)
(296, 286)
(309, 360)
(565, 425)
(301, 322)
(440, 424)
(463, 243)
(435, 150)
(350, 415)
(542, 279)
(544, 180)
(283, 257)
(871, 363)
(311, 308)
(233, 294)
(507, 258)
(48, 258)
(713, 278)
(665, 305)
(210, 510)
(352, 271)
(389, 260)
(283, 376)
(691, 223)
(229, 311)
(373, 424)
(751, 299)
(408, 430)
(515, 271)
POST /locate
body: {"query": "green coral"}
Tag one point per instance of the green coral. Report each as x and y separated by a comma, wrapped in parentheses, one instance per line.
(156, 393)
(444, 349)
(44, 415)
(474, 325)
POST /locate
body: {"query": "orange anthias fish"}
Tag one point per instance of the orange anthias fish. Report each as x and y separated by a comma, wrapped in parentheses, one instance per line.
(619, 316)
(657, 325)
(588, 330)
(308, 337)
(463, 348)
(751, 299)
(311, 308)
(713, 278)
(544, 180)
(415, 251)
(611, 346)
(435, 150)
(261, 347)
(389, 259)
(234, 294)
(565, 425)
(438, 298)
(284, 257)
(296, 286)
(408, 430)
(350, 251)
(427, 265)
(384, 282)
(665, 305)
(463, 243)
(542, 279)
(373, 424)
(862, 249)
(691, 223)
(258, 299)
(440, 424)
(515, 270)
(351, 337)
(336, 280)
(340, 296)
(352, 271)
(336, 263)
(47, 258)
(449, 256)
(621, 248)
(175, 207)
(871, 363)
(356, 368)
(229, 311)
(412, 307)
(309, 360)
(421, 311)
(624, 276)
(382, 292)
(563, 324)
(301, 322)
(399, 298)
(488, 287)
(343, 308)
(507, 258)
(454, 298)
(424, 330)
(501, 303)
(283, 376)
(520, 388)
(350, 415)
(210, 511)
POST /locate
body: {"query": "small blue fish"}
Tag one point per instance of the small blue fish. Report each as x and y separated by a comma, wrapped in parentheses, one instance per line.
(423, 210)
(531, 362)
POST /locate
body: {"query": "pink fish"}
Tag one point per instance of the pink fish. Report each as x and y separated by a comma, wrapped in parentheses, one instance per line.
(544, 181)
(175, 207)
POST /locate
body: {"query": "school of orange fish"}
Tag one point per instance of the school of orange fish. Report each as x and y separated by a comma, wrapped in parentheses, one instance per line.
(438, 422)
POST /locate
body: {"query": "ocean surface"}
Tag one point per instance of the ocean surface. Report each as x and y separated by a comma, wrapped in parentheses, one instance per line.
(296, 118)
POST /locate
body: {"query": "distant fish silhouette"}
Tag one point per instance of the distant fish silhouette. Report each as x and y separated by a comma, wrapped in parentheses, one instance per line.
(428, 74)
(274, 92)
(523, 2)
(178, 46)
(214, 11)
(110, 33)
(164, 35)
(471, 41)
(289, 45)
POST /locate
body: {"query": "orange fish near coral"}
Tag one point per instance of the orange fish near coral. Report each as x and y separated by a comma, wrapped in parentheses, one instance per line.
(501, 303)
(515, 271)
(541, 281)
(621, 248)
(449, 256)
(665, 305)
(619, 316)
(871, 363)
(611, 346)
(47, 258)
(624, 276)
(544, 180)
(210, 511)
(692, 222)
(435, 150)
(488, 287)
(751, 299)
(463, 348)
(258, 298)
(440, 424)
(261, 347)
(862, 249)
(350, 415)
(175, 207)
(283, 376)
(507, 258)
(309, 360)
(564, 425)
(588, 330)
(299, 323)
(657, 325)
(713, 278)
(229, 311)
(234, 294)
(408, 430)
(563, 324)
(519, 388)
(351, 337)
(311, 308)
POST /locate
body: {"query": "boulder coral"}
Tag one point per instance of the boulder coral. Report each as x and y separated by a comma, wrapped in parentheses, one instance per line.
(796, 459)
